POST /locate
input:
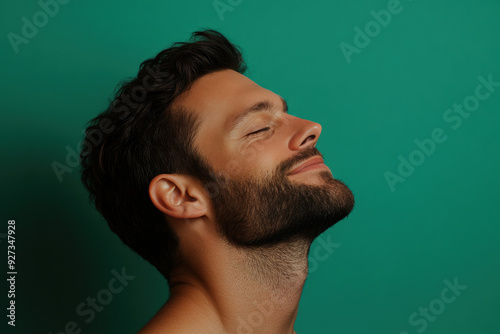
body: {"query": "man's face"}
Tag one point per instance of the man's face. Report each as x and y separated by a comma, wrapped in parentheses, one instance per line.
(271, 184)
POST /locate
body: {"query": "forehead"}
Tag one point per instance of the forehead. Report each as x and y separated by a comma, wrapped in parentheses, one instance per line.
(219, 92)
(217, 97)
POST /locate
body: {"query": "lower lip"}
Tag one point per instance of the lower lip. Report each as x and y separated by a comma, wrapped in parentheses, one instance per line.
(311, 167)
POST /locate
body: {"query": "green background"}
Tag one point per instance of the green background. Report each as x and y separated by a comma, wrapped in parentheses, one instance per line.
(395, 250)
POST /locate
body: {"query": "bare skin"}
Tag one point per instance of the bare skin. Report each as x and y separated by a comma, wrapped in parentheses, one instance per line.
(221, 288)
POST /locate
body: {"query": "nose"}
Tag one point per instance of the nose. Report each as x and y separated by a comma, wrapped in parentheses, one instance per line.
(304, 133)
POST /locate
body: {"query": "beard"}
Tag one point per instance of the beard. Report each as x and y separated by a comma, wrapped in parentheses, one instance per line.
(266, 211)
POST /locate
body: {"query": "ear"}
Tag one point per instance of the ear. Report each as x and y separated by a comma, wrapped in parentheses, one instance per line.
(178, 196)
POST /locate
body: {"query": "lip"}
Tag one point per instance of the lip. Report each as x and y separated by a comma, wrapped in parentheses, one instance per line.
(312, 163)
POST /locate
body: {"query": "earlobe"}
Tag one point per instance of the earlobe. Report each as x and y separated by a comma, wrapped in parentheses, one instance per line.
(177, 196)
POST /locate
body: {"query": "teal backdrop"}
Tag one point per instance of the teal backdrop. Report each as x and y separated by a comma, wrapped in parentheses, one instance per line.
(408, 94)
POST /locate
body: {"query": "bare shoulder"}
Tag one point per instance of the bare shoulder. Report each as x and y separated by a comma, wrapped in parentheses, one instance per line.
(181, 319)
(175, 327)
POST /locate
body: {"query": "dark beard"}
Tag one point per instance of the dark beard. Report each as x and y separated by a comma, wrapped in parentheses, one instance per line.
(269, 211)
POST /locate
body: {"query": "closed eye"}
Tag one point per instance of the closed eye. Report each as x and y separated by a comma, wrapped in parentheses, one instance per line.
(258, 131)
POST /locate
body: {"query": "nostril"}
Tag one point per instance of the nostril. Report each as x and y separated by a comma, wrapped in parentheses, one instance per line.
(309, 138)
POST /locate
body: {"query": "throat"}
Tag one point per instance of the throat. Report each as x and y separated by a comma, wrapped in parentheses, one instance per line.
(280, 268)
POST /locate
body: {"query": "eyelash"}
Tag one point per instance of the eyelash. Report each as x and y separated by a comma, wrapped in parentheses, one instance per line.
(259, 131)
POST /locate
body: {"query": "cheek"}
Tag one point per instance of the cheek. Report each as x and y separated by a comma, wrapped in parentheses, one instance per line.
(249, 153)
(257, 158)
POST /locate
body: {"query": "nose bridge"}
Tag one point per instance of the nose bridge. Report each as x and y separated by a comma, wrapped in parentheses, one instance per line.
(303, 133)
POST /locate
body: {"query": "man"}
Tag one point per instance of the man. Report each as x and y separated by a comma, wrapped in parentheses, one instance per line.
(207, 176)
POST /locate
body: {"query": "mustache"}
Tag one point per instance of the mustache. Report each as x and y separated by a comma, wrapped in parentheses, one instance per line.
(285, 166)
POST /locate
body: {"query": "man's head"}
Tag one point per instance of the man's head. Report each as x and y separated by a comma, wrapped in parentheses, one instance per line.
(192, 137)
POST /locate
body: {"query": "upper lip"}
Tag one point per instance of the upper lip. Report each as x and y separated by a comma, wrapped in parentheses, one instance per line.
(309, 162)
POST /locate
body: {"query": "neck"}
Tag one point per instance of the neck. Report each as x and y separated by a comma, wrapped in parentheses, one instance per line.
(253, 290)
(280, 268)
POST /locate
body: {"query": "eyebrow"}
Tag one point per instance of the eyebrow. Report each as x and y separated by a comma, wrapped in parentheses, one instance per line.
(265, 105)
